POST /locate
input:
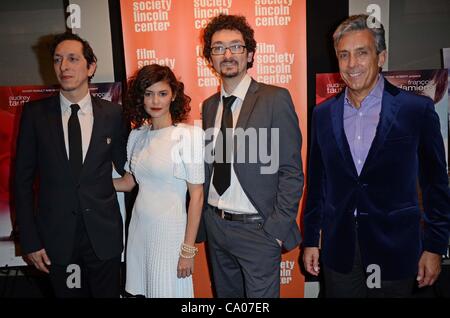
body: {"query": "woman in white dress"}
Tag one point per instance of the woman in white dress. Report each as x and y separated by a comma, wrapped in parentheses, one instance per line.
(165, 158)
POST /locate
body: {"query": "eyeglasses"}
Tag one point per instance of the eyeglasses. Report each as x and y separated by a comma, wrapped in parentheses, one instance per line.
(234, 49)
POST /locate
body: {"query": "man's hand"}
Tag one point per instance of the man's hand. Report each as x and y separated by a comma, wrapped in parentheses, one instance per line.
(311, 260)
(429, 269)
(40, 260)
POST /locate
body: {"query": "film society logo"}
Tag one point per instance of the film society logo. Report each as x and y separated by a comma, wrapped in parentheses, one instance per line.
(286, 269)
(151, 16)
(273, 67)
(205, 76)
(272, 12)
(204, 10)
(146, 57)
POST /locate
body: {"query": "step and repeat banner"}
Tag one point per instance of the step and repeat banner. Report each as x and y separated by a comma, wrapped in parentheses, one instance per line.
(169, 32)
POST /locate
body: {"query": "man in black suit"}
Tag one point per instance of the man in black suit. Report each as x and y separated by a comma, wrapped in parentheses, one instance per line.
(71, 141)
(250, 205)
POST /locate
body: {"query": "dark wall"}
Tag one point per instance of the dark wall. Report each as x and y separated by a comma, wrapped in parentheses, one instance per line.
(323, 16)
(25, 28)
(117, 41)
(418, 30)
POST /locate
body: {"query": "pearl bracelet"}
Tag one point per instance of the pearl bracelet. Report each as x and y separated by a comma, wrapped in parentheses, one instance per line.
(189, 249)
(186, 256)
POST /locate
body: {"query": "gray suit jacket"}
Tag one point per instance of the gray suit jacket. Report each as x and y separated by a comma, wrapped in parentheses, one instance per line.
(274, 195)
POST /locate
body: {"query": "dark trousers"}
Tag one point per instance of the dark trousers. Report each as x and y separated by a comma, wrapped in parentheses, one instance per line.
(86, 275)
(245, 260)
(354, 284)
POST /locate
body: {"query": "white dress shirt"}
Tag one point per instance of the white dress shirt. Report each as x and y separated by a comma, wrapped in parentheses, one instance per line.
(85, 116)
(234, 199)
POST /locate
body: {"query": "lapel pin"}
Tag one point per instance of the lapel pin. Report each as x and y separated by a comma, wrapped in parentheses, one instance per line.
(108, 140)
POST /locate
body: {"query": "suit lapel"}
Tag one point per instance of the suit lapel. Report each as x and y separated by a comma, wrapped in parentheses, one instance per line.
(56, 128)
(337, 120)
(248, 105)
(100, 117)
(389, 110)
(210, 118)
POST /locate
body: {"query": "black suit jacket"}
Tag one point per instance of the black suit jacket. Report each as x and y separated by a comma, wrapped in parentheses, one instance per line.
(275, 195)
(50, 222)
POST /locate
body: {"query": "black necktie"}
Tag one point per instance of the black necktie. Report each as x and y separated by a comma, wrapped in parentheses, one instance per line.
(223, 148)
(75, 150)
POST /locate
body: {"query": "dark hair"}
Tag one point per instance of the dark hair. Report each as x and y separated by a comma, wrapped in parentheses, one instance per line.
(88, 53)
(438, 79)
(146, 77)
(229, 22)
(360, 23)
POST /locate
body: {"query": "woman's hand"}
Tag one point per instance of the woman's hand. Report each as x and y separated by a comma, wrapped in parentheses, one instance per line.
(185, 267)
(125, 183)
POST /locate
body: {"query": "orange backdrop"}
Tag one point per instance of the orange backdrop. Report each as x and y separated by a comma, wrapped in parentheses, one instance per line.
(168, 32)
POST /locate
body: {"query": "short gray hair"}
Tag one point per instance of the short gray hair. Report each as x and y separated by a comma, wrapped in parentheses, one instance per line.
(359, 23)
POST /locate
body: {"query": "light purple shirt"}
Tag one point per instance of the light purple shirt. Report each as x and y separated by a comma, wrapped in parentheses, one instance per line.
(360, 125)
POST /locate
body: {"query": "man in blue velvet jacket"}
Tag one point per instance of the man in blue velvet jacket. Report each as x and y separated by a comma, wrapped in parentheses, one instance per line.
(369, 146)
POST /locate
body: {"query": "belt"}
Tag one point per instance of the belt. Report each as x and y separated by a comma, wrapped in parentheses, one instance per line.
(245, 218)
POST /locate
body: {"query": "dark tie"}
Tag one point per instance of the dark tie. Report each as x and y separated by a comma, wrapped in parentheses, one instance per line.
(75, 150)
(223, 148)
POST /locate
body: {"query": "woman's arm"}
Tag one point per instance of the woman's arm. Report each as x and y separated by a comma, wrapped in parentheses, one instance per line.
(186, 263)
(125, 183)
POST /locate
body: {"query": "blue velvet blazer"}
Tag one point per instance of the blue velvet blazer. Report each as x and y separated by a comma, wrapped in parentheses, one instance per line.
(391, 229)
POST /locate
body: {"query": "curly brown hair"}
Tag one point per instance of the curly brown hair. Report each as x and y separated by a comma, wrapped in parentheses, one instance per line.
(146, 77)
(229, 22)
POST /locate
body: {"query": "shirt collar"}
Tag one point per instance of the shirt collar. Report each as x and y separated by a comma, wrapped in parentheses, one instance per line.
(376, 92)
(241, 90)
(85, 104)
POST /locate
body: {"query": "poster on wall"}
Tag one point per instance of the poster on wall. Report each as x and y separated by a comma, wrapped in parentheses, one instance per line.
(431, 83)
(446, 57)
(12, 100)
(169, 33)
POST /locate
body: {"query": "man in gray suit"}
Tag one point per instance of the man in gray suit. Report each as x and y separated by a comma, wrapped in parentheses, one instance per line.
(254, 179)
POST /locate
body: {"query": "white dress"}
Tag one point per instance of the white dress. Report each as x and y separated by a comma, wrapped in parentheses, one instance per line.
(162, 161)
